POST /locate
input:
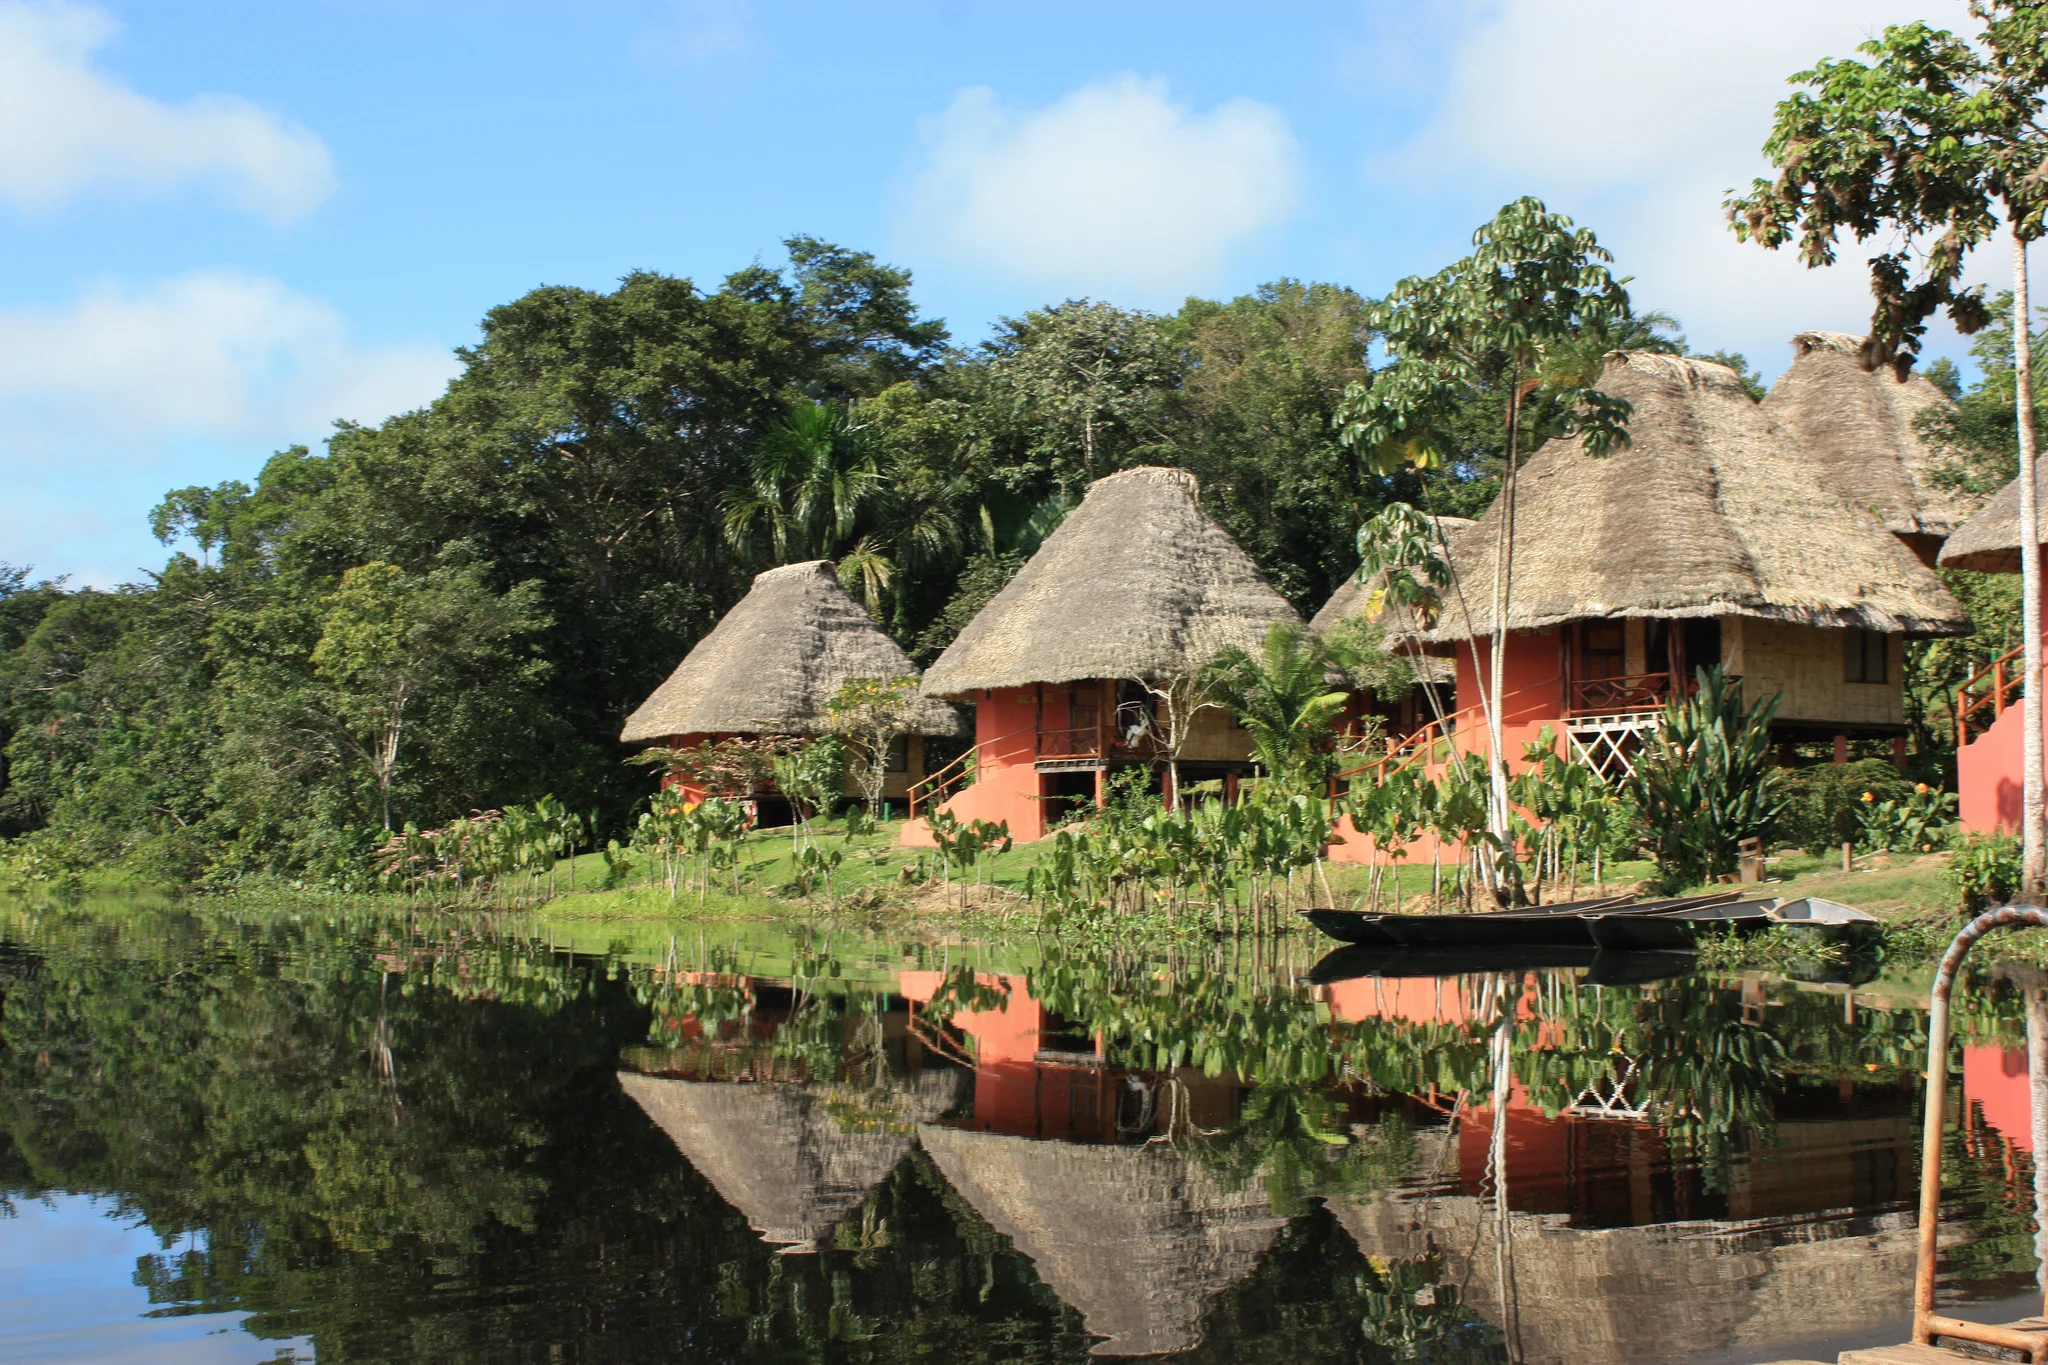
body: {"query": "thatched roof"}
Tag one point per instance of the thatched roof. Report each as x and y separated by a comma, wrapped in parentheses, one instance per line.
(1352, 599)
(1990, 541)
(1857, 424)
(1710, 512)
(774, 661)
(773, 1152)
(1136, 1239)
(1628, 1293)
(1137, 582)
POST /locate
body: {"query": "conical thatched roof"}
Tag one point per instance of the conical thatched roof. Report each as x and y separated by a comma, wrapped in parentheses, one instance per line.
(1352, 598)
(1136, 1239)
(770, 665)
(1628, 1293)
(1857, 425)
(771, 1151)
(1710, 512)
(1137, 582)
(1990, 541)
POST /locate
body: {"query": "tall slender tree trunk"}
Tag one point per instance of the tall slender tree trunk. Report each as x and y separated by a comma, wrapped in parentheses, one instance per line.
(2037, 1094)
(2034, 806)
(1503, 564)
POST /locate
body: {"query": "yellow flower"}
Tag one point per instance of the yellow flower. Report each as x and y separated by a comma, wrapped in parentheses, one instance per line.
(1867, 796)
(1920, 789)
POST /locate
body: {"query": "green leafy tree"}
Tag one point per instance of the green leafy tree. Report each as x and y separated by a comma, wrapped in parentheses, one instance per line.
(873, 713)
(389, 638)
(1512, 316)
(1939, 137)
(1708, 780)
(1089, 383)
(1282, 697)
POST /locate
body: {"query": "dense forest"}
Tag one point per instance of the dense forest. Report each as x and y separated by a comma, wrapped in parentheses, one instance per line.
(456, 609)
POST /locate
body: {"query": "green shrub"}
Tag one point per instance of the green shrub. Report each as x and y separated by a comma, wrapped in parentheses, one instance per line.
(1824, 804)
(1986, 870)
(1706, 781)
(1921, 823)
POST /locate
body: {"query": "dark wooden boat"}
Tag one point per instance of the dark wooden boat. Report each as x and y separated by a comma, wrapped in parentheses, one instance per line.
(1602, 968)
(1353, 961)
(1563, 925)
(1677, 930)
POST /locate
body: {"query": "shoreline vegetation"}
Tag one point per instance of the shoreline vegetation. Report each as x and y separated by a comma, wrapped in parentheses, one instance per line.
(878, 886)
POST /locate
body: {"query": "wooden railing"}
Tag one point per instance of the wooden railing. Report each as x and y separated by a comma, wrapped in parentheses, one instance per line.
(1090, 741)
(1632, 692)
(1424, 744)
(1992, 688)
(937, 786)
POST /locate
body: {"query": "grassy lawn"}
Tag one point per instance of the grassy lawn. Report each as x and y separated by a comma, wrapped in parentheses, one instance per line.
(878, 875)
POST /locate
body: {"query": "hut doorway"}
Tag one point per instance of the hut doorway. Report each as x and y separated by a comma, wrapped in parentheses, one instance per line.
(1603, 650)
(1699, 645)
(1064, 793)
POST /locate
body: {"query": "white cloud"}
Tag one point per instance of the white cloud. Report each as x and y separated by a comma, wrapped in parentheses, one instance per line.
(700, 33)
(1637, 119)
(67, 128)
(1114, 188)
(125, 392)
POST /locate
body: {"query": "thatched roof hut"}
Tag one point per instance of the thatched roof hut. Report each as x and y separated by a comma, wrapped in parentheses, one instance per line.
(1136, 1239)
(774, 661)
(1857, 425)
(773, 1152)
(1137, 582)
(1353, 599)
(1710, 512)
(1990, 541)
(1629, 1293)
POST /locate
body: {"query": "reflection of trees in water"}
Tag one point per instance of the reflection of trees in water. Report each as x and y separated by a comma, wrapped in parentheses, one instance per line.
(225, 1078)
(216, 1078)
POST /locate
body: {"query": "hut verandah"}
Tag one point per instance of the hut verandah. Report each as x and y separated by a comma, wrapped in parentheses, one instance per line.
(1991, 706)
(1857, 426)
(1138, 587)
(772, 665)
(1710, 539)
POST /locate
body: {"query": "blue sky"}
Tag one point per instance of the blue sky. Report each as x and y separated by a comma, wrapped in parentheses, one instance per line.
(224, 225)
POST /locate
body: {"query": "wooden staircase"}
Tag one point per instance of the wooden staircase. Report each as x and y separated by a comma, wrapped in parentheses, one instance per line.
(1983, 699)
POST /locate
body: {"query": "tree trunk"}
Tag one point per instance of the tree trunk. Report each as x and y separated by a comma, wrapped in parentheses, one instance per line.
(2034, 809)
(2037, 1092)
(1503, 564)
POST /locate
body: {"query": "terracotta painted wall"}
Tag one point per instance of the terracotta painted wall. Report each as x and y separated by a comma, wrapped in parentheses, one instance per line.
(1990, 771)
(1533, 696)
(1995, 1080)
(1532, 681)
(1006, 785)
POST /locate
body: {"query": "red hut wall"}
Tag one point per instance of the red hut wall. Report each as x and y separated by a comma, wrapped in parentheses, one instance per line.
(1991, 771)
(1532, 688)
(1006, 781)
(1533, 696)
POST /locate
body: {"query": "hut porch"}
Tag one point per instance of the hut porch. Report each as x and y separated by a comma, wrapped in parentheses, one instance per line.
(1044, 749)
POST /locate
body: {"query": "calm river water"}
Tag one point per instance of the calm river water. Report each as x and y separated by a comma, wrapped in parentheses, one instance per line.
(239, 1138)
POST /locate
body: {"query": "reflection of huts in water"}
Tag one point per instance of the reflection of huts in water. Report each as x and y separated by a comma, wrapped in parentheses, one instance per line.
(1656, 1291)
(1139, 586)
(1712, 539)
(1136, 1239)
(775, 1152)
(773, 663)
(1857, 425)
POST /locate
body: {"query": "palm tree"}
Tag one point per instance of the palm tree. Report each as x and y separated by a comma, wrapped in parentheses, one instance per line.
(1282, 697)
(813, 477)
(822, 485)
